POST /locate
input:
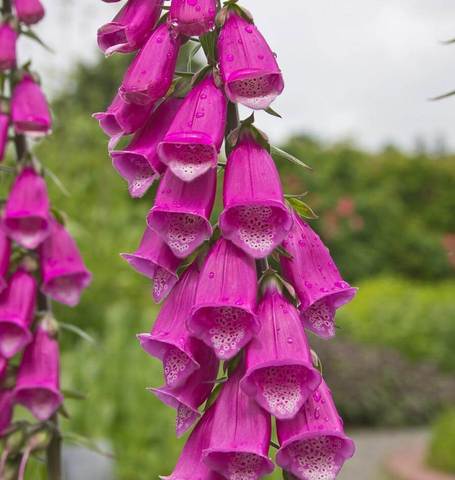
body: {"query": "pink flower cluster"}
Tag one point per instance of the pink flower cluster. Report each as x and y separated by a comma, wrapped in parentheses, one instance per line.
(226, 308)
(39, 261)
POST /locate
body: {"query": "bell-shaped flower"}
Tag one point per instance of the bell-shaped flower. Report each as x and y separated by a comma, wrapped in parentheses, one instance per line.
(63, 270)
(8, 39)
(255, 217)
(280, 375)
(38, 378)
(190, 465)
(194, 17)
(169, 340)
(6, 408)
(313, 444)
(193, 141)
(182, 210)
(149, 76)
(17, 310)
(223, 315)
(248, 66)
(155, 260)
(122, 118)
(29, 11)
(138, 163)
(29, 109)
(187, 398)
(130, 28)
(4, 126)
(26, 218)
(240, 436)
(316, 279)
(5, 253)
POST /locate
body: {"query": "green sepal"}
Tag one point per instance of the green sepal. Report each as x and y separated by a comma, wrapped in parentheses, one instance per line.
(279, 154)
(302, 209)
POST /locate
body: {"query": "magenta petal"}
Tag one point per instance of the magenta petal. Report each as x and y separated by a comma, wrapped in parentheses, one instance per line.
(240, 436)
(138, 163)
(190, 465)
(29, 11)
(255, 217)
(155, 260)
(4, 126)
(194, 139)
(316, 279)
(17, 310)
(170, 340)
(5, 253)
(223, 313)
(280, 375)
(29, 109)
(186, 398)
(38, 379)
(122, 118)
(8, 39)
(313, 444)
(130, 28)
(195, 18)
(150, 74)
(63, 270)
(248, 66)
(3, 367)
(26, 219)
(182, 211)
(6, 408)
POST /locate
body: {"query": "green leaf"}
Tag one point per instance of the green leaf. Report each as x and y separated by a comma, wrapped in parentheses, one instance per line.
(213, 396)
(279, 154)
(78, 331)
(231, 365)
(272, 112)
(302, 209)
(73, 394)
(283, 252)
(31, 34)
(208, 43)
(297, 195)
(87, 443)
(199, 76)
(445, 95)
(191, 55)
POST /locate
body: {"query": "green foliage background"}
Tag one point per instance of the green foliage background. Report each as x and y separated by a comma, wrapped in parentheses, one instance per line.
(383, 214)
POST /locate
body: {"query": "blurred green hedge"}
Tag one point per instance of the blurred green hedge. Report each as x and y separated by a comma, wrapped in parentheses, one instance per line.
(442, 448)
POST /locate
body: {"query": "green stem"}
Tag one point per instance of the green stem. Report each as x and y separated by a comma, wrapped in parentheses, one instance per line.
(53, 453)
(232, 122)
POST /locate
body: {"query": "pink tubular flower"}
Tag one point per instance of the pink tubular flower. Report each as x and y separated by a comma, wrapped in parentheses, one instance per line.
(63, 270)
(223, 313)
(255, 217)
(138, 163)
(38, 379)
(192, 18)
(122, 118)
(313, 444)
(150, 74)
(8, 39)
(190, 465)
(26, 218)
(17, 310)
(3, 367)
(240, 436)
(188, 397)
(5, 253)
(6, 408)
(316, 279)
(182, 211)
(29, 11)
(29, 109)
(248, 66)
(130, 28)
(155, 260)
(170, 340)
(279, 375)
(194, 139)
(4, 125)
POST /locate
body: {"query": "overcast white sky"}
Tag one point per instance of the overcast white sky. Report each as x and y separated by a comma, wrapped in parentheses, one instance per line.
(362, 69)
